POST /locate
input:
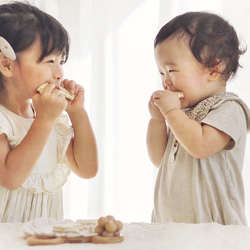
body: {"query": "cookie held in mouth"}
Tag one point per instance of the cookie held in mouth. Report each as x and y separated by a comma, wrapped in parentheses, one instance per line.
(66, 93)
(179, 94)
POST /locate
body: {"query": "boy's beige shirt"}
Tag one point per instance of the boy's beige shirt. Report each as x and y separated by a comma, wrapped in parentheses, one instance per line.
(194, 190)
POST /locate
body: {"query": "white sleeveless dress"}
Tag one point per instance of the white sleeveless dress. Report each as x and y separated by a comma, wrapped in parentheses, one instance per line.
(41, 194)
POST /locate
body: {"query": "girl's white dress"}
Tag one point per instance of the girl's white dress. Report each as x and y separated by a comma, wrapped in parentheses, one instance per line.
(41, 194)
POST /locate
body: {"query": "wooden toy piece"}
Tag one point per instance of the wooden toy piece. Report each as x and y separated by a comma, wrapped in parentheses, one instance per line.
(38, 241)
(106, 240)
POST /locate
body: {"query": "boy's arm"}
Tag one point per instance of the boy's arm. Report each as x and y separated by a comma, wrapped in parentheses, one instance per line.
(156, 140)
(82, 151)
(156, 134)
(200, 140)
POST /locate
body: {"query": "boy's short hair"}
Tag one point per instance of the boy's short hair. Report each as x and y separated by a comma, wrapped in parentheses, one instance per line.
(21, 24)
(211, 39)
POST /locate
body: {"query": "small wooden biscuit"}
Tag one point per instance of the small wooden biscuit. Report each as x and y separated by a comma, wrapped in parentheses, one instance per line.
(67, 227)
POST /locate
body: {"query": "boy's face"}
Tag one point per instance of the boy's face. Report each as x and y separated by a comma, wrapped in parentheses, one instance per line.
(180, 71)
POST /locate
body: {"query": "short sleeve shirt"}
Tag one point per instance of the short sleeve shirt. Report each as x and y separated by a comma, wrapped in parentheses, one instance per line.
(191, 190)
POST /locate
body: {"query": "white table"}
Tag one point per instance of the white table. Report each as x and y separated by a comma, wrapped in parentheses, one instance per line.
(146, 236)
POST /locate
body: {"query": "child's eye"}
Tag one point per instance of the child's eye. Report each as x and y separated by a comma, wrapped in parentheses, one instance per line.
(62, 62)
(171, 70)
(50, 61)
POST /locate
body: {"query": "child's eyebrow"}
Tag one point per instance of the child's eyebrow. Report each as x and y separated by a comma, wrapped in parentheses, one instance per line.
(169, 63)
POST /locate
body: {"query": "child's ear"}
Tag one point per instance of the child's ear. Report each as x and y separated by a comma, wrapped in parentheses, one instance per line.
(215, 72)
(6, 65)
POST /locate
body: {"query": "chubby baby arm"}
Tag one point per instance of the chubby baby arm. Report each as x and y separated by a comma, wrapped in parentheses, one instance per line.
(156, 134)
(200, 140)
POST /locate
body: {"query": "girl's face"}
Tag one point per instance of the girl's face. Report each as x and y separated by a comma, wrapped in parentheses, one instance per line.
(30, 73)
(180, 71)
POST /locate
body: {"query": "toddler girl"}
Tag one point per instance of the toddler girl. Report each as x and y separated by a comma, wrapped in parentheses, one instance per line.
(38, 145)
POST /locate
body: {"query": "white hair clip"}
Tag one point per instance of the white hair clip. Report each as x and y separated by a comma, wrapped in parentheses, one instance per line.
(6, 49)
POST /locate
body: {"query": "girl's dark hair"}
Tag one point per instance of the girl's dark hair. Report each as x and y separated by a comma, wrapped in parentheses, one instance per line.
(212, 40)
(21, 24)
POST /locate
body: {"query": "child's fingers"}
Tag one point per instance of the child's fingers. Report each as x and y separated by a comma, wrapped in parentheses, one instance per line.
(158, 94)
(154, 97)
(46, 88)
(70, 85)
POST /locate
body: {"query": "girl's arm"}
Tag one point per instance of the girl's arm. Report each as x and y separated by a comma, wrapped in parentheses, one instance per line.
(17, 164)
(82, 151)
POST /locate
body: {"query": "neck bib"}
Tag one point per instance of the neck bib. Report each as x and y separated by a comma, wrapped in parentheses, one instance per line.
(200, 111)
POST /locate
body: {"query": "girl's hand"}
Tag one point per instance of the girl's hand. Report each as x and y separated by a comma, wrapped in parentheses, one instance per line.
(166, 101)
(78, 91)
(50, 104)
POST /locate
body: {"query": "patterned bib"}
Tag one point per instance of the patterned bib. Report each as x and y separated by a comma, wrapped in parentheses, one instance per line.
(200, 111)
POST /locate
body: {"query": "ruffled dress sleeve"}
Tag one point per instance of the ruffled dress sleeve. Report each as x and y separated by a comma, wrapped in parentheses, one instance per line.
(7, 128)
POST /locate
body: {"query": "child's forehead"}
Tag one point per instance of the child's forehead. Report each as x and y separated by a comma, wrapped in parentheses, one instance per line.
(174, 42)
(173, 51)
(48, 50)
(36, 49)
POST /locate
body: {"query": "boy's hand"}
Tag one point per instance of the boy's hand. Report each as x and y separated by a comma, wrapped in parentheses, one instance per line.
(166, 101)
(154, 111)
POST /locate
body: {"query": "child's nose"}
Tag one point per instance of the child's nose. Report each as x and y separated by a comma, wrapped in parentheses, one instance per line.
(57, 73)
(166, 82)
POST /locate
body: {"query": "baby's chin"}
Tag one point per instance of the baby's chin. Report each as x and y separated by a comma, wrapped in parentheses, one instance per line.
(186, 105)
